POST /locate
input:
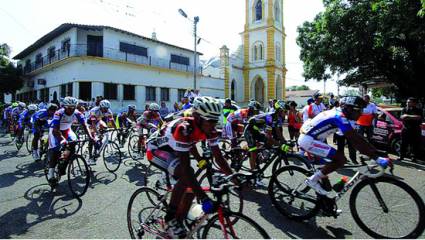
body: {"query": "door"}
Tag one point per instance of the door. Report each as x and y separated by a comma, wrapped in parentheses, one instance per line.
(95, 46)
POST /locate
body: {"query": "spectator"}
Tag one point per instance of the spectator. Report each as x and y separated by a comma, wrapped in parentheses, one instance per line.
(42, 105)
(147, 107)
(341, 141)
(305, 109)
(185, 103)
(365, 122)
(98, 99)
(176, 107)
(317, 107)
(411, 134)
(163, 111)
(228, 108)
(332, 101)
(294, 121)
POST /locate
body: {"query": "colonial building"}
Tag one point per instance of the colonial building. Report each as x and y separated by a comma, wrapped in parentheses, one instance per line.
(86, 61)
(257, 68)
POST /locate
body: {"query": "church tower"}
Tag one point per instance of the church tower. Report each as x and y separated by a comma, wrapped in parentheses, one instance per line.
(264, 69)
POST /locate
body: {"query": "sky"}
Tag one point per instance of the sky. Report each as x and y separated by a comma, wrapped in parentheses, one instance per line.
(22, 22)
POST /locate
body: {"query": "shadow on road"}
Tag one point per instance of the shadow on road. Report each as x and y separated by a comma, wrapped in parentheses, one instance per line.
(24, 170)
(42, 206)
(138, 172)
(103, 178)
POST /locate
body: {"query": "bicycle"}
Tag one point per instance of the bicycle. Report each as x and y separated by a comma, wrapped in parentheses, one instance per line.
(76, 168)
(135, 148)
(222, 224)
(295, 200)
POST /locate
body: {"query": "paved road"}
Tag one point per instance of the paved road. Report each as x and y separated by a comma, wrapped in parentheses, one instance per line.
(29, 210)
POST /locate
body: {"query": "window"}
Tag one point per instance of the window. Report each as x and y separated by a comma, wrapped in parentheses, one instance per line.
(278, 52)
(258, 51)
(129, 92)
(63, 91)
(27, 67)
(66, 45)
(180, 94)
(150, 94)
(180, 59)
(165, 94)
(258, 10)
(110, 90)
(277, 12)
(69, 89)
(255, 53)
(44, 94)
(38, 60)
(51, 52)
(133, 49)
(85, 91)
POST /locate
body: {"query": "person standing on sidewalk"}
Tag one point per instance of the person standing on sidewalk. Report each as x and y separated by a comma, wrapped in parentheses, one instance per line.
(316, 107)
(412, 118)
(365, 122)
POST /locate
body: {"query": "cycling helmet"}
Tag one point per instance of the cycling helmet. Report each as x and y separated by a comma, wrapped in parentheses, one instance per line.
(52, 106)
(105, 104)
(22, 105)
(70, 102)
(153, 107)
(280, 104)
(131, 107)
(354, 101)
(254, 105)
(310, 101)
(317, 96)
(32, 107)
(15, 104)
(228, 100)
(207, 107)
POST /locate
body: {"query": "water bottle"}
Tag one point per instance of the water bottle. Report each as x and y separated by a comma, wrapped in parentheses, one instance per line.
(337, 187)
(195, 212)
(383, 162)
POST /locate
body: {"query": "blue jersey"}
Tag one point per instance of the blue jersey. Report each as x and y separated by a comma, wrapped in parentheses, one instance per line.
(325, 124)
(16, 111)
(40, 116)
(24, 117)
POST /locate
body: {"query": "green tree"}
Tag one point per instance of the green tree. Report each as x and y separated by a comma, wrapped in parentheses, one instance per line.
(10, 79)
(298, 88)
(367, 40)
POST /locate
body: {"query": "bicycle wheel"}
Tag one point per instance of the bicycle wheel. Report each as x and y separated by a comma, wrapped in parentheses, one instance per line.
(292, 159)
(28, 142)
(404, 216)
(145, 212)
(289, 194)
(112, 156)
(133, 149)
(19, 142)
(244, 228)
(78, 176)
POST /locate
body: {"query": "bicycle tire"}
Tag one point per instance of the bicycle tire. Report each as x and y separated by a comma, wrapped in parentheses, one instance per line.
(28, 142)
(134, 153)
(284, 208)
(253, 227)
(133, 226)
(292, 159)
(114, 146)
(416, 231)
(76, 165)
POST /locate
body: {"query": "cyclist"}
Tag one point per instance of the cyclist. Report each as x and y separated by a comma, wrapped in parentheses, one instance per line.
(40, 121)
(169, 150)
(267, 128)
(6, 116)
(25, 119)
(228, 108)
(315, 131)
(60, 132)
(98, 119)
(239, 117)
(125, 120)
(150, 120)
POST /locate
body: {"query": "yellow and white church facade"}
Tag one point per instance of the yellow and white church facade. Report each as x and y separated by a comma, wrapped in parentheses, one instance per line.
(256, 70)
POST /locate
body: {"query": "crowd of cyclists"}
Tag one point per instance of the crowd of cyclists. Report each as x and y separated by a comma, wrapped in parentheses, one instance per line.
(172, 141)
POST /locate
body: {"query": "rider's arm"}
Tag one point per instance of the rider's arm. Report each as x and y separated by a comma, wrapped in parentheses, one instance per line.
(187, 175)
(363, 146)
(220, 160)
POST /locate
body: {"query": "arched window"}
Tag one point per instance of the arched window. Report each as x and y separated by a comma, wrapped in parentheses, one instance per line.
(278, 52)
(254, 50)
(258, 51)
(260, 47)
(277, 12)
(258, 10)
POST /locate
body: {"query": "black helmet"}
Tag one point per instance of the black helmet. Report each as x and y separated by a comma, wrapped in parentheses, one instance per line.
(354, 101)
(228, 100)
(317, 96)
(52, 106)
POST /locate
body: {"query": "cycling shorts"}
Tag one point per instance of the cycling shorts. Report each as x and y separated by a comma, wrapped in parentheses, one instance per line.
(253, 136)
(54, 143)
(315, 147)
(39, 127)
(164, 160)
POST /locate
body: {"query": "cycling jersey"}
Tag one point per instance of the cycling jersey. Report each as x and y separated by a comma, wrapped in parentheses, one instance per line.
(122, 119)
(64, 122)
(24, 118)
(316, 130)
(16, 111)
(7, 112)
(227, 111)
(39, 120)
(179, 135)
(266, 121)
(237, 117)
(97, 114)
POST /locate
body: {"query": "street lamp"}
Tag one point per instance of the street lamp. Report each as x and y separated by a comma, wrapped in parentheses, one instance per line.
(195, 22)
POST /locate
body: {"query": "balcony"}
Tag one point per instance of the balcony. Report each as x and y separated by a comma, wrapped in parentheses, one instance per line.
(80, 50)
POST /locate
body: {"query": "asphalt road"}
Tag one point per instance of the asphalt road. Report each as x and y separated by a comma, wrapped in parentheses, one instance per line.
(28, 209)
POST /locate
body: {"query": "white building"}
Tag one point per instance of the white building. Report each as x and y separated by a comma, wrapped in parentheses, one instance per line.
(86, 61)
(257, 68)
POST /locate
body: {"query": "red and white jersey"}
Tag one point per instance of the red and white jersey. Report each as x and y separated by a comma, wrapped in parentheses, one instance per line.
(239, 116)
(180, 134)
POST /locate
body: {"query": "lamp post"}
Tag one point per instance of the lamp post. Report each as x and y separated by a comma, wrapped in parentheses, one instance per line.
(195, 22)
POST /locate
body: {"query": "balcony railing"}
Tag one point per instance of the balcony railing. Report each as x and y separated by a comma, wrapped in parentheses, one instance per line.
(80, 50)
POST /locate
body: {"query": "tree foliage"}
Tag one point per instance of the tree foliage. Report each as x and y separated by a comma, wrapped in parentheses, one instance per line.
(298, 88)
(10, 79)
(367, 40)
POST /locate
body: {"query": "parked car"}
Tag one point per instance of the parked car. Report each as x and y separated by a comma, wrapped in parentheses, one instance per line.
(387, 130)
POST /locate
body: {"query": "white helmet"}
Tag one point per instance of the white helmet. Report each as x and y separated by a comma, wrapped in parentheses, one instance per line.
(32, 107)
(153, 107)
(207, 107)
(22, 105)
(105, 104)
(70, 102)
